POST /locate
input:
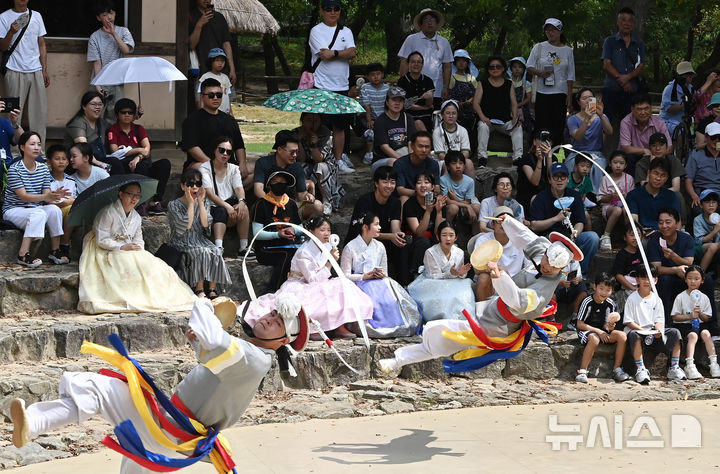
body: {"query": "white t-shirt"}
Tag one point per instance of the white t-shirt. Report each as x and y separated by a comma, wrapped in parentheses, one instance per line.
(512, 260)
(332, 75)
(685, 303)
(68, 183)
(96, 174)
(645, 312)
(458, 139)
(436, 51)
(226, 87)
(225, 186)
(26, 57)
(560, 58)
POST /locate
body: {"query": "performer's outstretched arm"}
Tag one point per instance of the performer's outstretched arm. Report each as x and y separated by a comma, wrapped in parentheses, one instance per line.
(518, 233)
(206, 327)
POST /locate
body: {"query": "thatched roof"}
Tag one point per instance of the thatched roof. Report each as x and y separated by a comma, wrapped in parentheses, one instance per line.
(247, 16)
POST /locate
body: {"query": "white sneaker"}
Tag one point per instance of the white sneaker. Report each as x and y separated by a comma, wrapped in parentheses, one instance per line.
(388, 365)
(344, 168)
(581, 376)
(346, 159)
(676, 373)
(642, 376)
(605, 243)
(21, 430)
(620, 376)
(714, 370)
(692, 372)
(367, 159)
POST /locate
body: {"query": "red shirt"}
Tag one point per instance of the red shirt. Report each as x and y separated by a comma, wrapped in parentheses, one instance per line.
(133, 139)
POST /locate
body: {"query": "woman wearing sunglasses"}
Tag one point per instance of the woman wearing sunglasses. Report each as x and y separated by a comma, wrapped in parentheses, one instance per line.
(126, 133)
(114, 255)
(224, 188)
(189, 218)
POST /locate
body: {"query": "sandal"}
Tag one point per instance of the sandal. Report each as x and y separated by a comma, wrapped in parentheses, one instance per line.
(199, 293)
(212, 294)
(27, 261)
(58, 258)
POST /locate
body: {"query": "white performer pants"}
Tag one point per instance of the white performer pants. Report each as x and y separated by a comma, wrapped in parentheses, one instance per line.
(433, 344)
(84, 395)
(34, 220)
(516, 136)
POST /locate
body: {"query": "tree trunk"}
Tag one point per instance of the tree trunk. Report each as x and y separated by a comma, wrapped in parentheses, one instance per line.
(691, 33)
(314, 16)
(281, 56)
(358, 23)
(272, 87)
(641, 9)
(500, 42)
(394, 37)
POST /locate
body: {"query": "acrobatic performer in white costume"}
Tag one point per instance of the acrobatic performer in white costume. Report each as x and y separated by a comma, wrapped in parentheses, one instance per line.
(503, 328)
(213, 395)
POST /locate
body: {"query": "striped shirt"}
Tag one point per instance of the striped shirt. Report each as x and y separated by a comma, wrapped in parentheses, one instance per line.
(34, 182)
(375, 98)
(103, 47)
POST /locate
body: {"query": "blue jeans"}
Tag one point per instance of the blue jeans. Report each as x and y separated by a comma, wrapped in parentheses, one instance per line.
(588, 243)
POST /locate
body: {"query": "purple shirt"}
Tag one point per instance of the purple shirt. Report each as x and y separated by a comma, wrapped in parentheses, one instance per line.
(593, 139)
(632, 135)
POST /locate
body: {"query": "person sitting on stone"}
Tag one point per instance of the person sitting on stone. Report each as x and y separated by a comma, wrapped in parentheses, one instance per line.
(287, 149)
(115, 249)
(502, 188)
(418, 161)
(659, 148)
(560, 209)
(706, 230)
(496, 105)
(636, 129)
(419, 89)
(450, 135)
(392, 129)
(671, 251)
(533, 168)
(701, 166)
(712, 115)
(646, 201)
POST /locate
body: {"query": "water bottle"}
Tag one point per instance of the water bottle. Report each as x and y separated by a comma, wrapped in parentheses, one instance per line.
(649, 339)
(695, 323)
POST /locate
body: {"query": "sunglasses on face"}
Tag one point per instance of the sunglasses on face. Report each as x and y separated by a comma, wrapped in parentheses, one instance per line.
(224, 151)
(714, 137)
(214, 95)
(126, 112)
(194, 184)
(331, 9)
(495, 66)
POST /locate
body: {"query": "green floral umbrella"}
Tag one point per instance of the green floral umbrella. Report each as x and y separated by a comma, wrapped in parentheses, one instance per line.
(314, 101)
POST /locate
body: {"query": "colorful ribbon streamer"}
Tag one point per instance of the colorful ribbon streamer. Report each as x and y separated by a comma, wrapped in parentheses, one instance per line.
(148, 399)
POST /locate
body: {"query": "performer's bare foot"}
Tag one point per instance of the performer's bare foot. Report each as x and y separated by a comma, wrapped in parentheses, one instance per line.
(387, 365)
(21, 435)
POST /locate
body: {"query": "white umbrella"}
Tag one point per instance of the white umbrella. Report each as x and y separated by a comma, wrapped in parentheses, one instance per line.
(138, 69)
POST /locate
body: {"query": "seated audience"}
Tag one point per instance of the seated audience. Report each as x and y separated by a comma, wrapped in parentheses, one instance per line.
(372, 97)
(705, 230)
(315, 155)
(672, 251)
(659, 148)
(388, 209)
(113, 252)
(690, 311)
(675, 94)
(392, 130)
(702, 171)
(644, 312)
(579, 180)
(86, 126)
(126, 133)
(612, 206)
(27, 195)
(419, 90)
(646, 201)
(450, 135)
(463, 84)
(596, 324)
(502, 188)
(550, 214)
(512, 260)
(533, 168)
(624, 267)
(418, 161)
(189, 220)
(704, 97)
(335, 303)
(224, 188)
(287, 148)
(588, 128)
(712, 115)
(636, 129)
(276, 245)
(58, 162)
(460, 191)
(496, 106)
(364, 261)
(442, 291)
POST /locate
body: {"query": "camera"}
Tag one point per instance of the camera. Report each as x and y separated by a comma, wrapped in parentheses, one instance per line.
(545, 136)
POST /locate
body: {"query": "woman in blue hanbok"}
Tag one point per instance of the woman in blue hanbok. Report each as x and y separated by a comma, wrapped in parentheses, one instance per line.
(364, 261)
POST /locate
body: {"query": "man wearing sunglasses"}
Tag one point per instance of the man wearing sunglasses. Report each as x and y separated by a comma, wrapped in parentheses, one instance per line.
(703, 166)
(203, 126)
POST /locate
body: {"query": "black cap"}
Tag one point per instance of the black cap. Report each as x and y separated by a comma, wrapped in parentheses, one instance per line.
(658, 138)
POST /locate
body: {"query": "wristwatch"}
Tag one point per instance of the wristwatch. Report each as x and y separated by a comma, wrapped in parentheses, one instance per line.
(335, 53)
(242, 200)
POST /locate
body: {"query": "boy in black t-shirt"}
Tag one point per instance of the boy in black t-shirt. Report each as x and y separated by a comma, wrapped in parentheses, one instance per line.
(625, 262)
(596, 324)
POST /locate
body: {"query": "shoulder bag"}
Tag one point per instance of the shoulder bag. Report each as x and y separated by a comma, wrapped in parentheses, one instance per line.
(6, 54)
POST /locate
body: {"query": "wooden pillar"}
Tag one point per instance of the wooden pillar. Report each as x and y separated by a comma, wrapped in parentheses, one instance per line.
(272, 87)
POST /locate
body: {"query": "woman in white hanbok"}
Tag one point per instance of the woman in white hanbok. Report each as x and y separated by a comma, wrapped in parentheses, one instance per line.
(335, 303)
(117, 275)
(364, 261)
(442, 291)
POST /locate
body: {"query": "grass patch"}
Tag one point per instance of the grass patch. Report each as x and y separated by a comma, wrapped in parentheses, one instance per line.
(260, 124)
(259, 147)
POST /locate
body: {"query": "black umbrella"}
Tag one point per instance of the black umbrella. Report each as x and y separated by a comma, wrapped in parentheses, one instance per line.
(104, 192)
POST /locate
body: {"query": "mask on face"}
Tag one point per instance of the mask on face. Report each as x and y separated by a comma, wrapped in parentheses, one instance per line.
(279, 188)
